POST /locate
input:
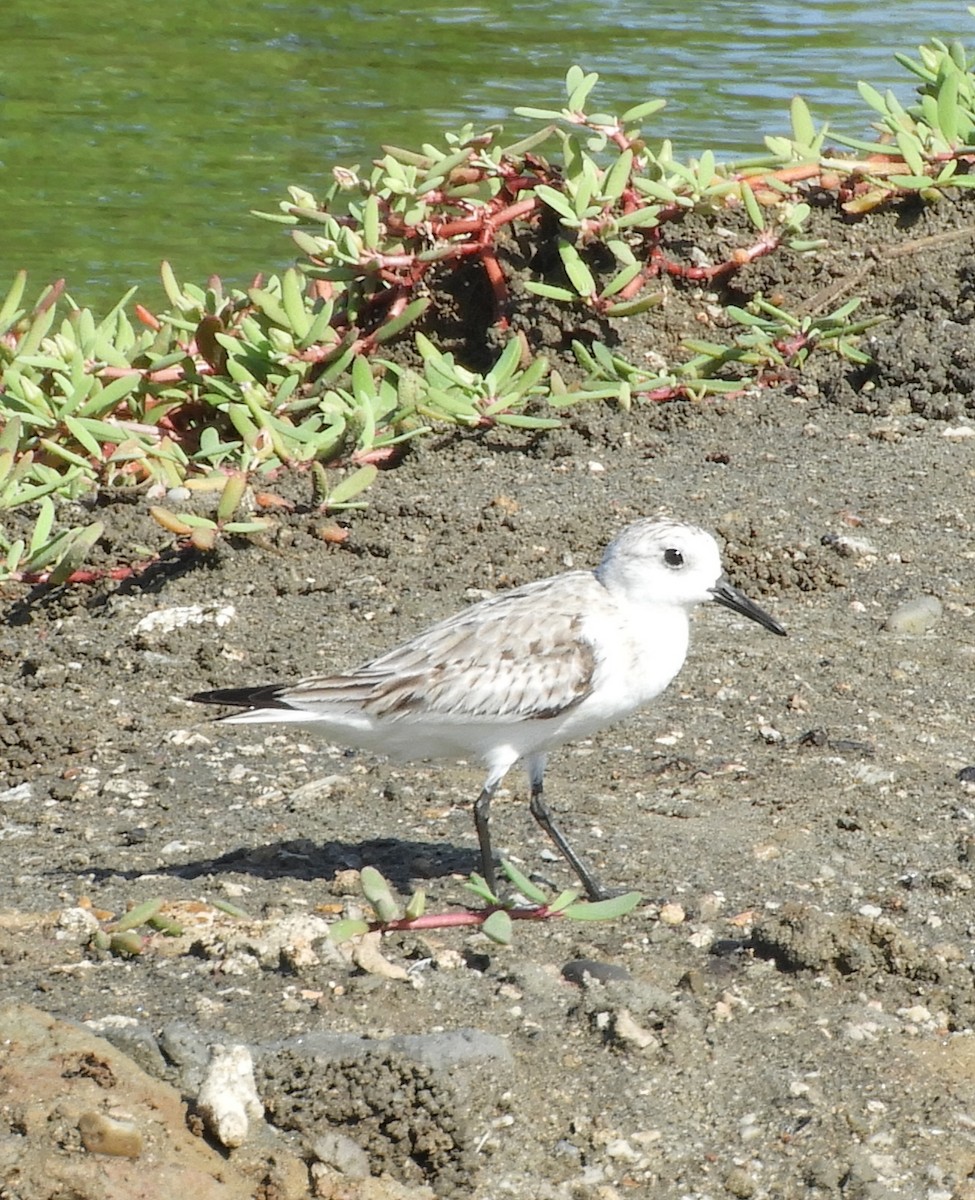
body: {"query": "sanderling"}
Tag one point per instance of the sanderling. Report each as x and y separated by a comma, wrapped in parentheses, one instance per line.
(522, 672)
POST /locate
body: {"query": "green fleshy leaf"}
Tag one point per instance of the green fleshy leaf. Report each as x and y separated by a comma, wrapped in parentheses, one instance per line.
(948, 115)
(346, 930)
(639, 111)
(604, 910)
(910, 149)
(497, 927)
(551, 292)
(518, 421)
(42, 526)
(478, 885)
(620, 281)
(579, 274)
(563, 900)
(9, 310)
(345, 490)
(618, 177)
(246, 527)
(522, 883)
(752, 206)
(630, 308)
(231, 909)
(538, 114)
(413, 310)
(803, 129)
(231, 496)
(377, 891)
(137, 916)
(640, 218)
(557, 200)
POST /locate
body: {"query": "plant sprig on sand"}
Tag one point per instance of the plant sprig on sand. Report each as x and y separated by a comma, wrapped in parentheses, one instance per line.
(495, 920)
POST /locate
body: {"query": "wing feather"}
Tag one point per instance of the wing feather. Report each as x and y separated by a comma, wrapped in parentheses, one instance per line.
(520, 655)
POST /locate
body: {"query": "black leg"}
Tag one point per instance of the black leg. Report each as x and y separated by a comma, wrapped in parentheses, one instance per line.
(482, 823)
(540, 811)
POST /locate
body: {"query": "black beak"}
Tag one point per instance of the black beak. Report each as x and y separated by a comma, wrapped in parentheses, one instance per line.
(738, 602)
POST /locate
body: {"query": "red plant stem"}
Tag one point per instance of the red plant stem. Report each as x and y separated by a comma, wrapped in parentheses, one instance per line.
(499, 286)
(478, 224)
(619, 138)
(97, 574)
(765, 245)
(167, 375)
(791, 346)
(512, 212)
(631, 289)
(378, 456)
(537, 912)
(660, 395)
(457, 227)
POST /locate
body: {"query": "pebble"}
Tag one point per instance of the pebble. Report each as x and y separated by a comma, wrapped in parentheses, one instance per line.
(78, 924)
(672, 914)
(825, 1173)
(872, 776)
(589, 970)
(627, 1030)
(342, 1154)
(20, 794)
(850, 547)
(738, 1182)
(162, 621)
(915, 616)
(101, 1134)
(621, 1150)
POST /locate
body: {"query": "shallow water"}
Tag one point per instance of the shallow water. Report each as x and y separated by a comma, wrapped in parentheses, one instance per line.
(151, 131)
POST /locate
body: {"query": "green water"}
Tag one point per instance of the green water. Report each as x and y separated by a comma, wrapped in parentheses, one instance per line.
(132, 132)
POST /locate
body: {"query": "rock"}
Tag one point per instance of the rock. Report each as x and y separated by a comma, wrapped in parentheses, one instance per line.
(88, 1120)
(672, 914)
(163, 621)
(228, 1099)
(588, 970)
(133, 1039)
(186, 1050)
(628, 1031)
(341, 1153)
(915, 616)
(102, 1134)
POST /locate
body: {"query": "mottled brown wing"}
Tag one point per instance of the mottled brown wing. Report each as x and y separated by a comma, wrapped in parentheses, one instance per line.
(519, 655)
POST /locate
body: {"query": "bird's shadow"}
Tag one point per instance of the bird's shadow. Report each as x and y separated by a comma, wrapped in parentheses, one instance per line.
(404, 863)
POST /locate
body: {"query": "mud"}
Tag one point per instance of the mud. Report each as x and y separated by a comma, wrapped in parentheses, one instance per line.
(790, 1011)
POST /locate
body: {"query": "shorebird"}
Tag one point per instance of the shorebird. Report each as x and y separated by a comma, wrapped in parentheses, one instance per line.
(522, 672)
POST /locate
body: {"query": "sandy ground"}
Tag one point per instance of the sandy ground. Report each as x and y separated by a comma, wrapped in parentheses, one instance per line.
(789, 1013)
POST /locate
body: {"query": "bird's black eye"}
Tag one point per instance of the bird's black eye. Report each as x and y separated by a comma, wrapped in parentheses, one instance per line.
(673, 558)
